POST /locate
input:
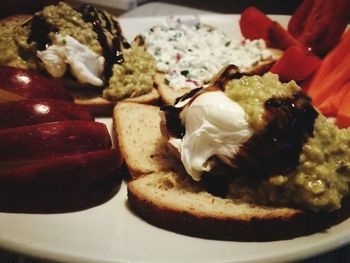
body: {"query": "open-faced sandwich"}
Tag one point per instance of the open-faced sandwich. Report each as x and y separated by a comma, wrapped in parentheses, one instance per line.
(188, 53)
(245, 158)
(85, 48)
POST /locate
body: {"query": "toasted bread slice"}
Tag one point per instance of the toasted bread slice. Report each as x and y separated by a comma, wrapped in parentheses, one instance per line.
(172, 201)
(168, 95)
(102, 107)
(98, 105)
(164, 195)
(137, 130)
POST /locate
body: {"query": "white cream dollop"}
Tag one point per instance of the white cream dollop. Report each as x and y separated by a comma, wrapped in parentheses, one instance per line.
(215, 126)
(85, 64)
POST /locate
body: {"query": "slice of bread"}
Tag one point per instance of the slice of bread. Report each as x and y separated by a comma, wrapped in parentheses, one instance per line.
(164, 195)
(102, 107)
(98, 105)
(137, 132)
(168, 94)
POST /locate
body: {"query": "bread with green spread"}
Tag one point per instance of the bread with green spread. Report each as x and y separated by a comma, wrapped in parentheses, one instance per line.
(189, 53)
(168, 95)
(310, 198)
(85, 45)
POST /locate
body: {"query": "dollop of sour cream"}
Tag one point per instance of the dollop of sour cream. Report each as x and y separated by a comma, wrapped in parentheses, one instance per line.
(85, 65)
(190, 53)
(214, 126)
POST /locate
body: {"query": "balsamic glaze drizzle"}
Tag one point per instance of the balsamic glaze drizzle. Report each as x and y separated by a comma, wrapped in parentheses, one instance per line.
(172, 113)
(39, 32)
(274, 150)
(102, 24)
(112, 49)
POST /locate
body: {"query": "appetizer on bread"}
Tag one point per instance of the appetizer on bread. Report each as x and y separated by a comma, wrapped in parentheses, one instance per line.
(85, 45)
(188, 53)
(253, 161)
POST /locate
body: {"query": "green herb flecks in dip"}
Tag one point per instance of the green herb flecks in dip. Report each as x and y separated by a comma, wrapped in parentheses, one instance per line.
(321, 178)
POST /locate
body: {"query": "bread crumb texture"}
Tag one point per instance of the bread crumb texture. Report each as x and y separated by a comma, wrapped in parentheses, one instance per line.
(177, 191)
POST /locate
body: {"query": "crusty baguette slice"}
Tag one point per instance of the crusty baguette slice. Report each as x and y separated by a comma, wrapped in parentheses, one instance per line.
(172, 201)
(103, 107)
(137, 132)
(163, 194)
(168, 95)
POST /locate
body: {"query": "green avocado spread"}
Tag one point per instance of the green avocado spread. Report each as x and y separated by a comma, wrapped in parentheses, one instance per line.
(321, 178)
(131, 77)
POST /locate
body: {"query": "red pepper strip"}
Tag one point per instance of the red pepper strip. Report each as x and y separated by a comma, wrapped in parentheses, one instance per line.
(297, 22)
(325, 25)
(295, 64)
(254, 24)
(279, 37)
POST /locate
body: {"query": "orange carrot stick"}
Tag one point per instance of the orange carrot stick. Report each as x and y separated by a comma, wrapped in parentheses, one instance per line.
(332, 59)
(330, 106)
(343, 115)
(332, 82)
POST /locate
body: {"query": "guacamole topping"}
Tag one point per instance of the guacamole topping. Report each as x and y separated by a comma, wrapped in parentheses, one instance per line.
(132, 78)
(97, 30)
(321, 177)
(251, 92)
(11, 53)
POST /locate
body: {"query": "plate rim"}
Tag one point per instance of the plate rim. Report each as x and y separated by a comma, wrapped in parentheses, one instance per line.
(335, 241)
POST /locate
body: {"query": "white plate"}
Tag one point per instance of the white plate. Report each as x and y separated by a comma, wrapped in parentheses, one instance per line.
(112, 233)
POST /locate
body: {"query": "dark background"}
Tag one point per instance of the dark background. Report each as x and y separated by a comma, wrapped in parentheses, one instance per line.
(11, 7)
(237, 6)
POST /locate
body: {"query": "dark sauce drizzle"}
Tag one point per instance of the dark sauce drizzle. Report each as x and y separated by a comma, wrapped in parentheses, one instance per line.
(39, 32)
(274, 150)
(172, 112)
(112, 50)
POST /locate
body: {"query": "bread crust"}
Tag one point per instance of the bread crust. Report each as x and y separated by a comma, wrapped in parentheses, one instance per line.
(99, 106)
(165, 196)
(168, 95)
(278, 224)
(136, 132)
